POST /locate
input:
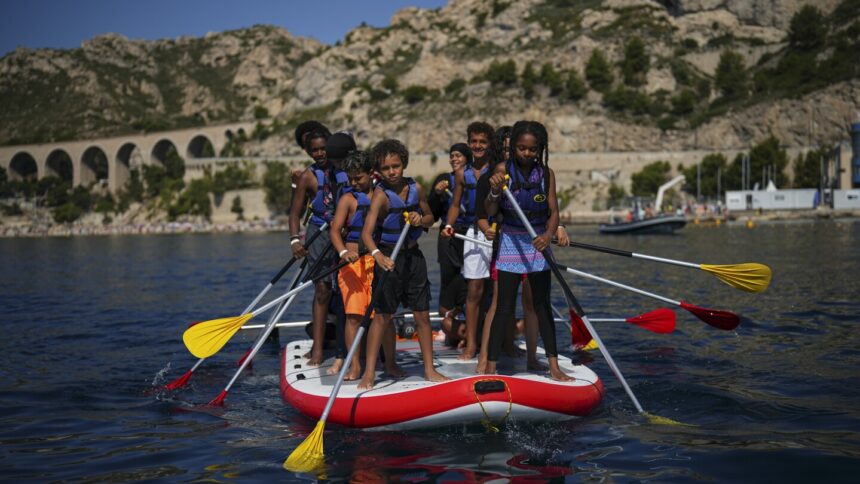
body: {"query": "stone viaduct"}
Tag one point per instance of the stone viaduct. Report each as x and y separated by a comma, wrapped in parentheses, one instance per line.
(77, 161)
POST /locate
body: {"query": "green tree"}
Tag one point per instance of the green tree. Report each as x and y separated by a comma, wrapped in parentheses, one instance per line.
(194, 200)
(647, 181)
(636, 62)
(710, 165)
(616, 194)
(550, 78)
(769, 154)
(731, 76)
(807, 169)
(415, 94)
(684, 103)
(504, 73)
(528, 79)
(575, 87)
(598, 72)
(389, 83)
(67, 213)
(260, 112)
(237, 208)
(276, 184)
(808, 28)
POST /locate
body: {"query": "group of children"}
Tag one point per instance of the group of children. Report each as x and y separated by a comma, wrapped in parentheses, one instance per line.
(362, 201)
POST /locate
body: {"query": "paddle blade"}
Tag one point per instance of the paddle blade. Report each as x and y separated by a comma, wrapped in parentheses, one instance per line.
(657, 419)
(245, 357)
(219, 400)
(308, 456)
(207, 338)
(659, 321)
(579, 335)
(716, 318)
(749, 277)
(179, 382)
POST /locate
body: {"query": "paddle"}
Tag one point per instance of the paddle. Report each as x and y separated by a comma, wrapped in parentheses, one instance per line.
(183, 380)
(270, 326)
(657, 321)
(451, 196)
(749, 276)
(208, 337)
(576, 309)
(309, 455)
(717, 318)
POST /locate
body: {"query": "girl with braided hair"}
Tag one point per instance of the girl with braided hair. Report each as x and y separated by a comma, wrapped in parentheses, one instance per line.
(532, 183)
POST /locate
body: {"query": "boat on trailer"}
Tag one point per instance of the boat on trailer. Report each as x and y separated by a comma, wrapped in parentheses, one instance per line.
(412, 402)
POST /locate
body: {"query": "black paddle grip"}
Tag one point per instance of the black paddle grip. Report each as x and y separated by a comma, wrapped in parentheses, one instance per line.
(598, 248)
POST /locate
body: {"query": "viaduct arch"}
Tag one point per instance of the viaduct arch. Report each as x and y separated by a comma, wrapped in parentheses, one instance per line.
(111, 159)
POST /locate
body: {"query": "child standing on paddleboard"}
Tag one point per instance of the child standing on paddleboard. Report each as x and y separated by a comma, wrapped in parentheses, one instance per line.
(407, 283)
(355, 280)
(532, 183)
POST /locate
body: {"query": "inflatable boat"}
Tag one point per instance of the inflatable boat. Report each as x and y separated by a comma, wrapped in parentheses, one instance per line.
(412, 402)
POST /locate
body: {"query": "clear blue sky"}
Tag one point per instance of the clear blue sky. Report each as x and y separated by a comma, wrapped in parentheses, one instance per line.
(64, 24)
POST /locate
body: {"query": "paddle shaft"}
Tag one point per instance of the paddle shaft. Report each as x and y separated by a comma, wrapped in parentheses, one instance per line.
(624, 253)
(621, 286)
(271, 325)
(265, 291)
(281, 272)
(451, 196)
(571, 299)
(365, 322)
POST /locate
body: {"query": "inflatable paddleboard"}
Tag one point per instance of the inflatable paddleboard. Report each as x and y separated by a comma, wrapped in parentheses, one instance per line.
(412, 402)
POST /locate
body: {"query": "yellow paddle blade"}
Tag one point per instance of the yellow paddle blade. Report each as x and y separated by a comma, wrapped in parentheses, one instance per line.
(591, 346)
(749, 277)
(656, 419)
(308, 456)
(205, 339)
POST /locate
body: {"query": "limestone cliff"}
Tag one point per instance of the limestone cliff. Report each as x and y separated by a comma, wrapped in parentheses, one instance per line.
(428, 73)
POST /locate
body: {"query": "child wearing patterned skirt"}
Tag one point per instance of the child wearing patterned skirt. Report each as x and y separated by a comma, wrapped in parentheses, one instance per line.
(533, 185)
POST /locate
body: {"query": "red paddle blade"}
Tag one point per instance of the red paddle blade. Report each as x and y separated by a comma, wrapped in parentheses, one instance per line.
(179, 382)
(219, 400)
(716, 318)
(579, 335)
(244, 357)
(659, 321)
(195, 322)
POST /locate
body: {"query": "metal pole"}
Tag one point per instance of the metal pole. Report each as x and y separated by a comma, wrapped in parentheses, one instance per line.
(699, 182)
(719, 182)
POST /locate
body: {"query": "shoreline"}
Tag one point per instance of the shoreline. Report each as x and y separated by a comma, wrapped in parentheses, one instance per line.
(37, 229)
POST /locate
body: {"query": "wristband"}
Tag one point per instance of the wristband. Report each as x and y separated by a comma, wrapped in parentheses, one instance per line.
(341, 253)
(374, 252)
(295, 241)
(448, 227)
(494, 196)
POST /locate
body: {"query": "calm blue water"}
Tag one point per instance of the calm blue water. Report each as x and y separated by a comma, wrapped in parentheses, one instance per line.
(92, 325)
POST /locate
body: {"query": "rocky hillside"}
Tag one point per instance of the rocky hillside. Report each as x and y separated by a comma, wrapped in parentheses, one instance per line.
(602, 74)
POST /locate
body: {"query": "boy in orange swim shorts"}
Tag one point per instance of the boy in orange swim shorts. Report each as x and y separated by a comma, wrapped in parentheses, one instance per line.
(355, 280)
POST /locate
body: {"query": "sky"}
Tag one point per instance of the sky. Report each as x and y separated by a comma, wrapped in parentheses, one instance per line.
(64, 24)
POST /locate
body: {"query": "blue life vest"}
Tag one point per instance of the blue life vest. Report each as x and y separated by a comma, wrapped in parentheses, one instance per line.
(531, 196)
(393, 222)
(323, 210)
(469, 198)
(357, 221)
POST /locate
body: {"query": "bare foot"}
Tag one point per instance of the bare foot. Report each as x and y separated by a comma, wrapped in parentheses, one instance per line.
(316, 358)
(433, 375)
(395, 371)
(353, 373)
(467, 353)
(482, 366)
(490, 368)
(535, 365)
(366, 383)
(558, 375)
(334, 369)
